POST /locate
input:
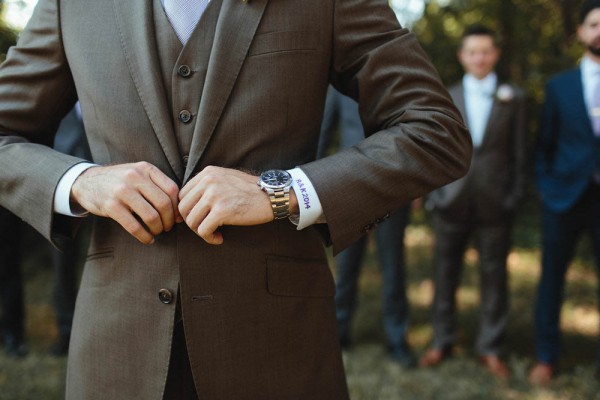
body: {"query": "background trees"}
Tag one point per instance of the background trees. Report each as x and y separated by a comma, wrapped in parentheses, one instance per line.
(537, 37)
(8, 36)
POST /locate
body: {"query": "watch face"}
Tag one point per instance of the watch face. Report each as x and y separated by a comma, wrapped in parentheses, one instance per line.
(276, 178)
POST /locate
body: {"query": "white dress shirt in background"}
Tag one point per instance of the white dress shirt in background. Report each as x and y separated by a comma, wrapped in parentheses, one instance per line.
(479, 98)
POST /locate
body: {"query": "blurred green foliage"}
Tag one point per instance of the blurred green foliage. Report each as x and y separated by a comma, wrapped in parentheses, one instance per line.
(8, 36)
(537, 37)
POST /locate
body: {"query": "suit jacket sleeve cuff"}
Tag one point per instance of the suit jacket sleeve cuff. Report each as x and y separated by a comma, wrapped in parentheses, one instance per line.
(311, 211)
(62, 196)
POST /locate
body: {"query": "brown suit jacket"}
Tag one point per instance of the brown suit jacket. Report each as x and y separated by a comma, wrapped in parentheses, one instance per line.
(258, 310)
(497, 176)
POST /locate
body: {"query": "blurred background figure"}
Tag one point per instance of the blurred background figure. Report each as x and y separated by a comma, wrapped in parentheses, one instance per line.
(481, 204)
(568, 179)
(70, 139)
(12, 307)
(341, 115)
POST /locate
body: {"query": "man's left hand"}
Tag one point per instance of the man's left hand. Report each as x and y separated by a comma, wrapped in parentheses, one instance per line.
(222, 196)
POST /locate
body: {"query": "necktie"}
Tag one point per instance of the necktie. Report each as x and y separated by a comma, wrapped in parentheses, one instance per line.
(478, 103)
(184, 16)
(595, 117)
(595, 113)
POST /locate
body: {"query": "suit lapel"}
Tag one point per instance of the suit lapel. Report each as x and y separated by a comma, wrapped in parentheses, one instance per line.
(579, 103)
(236, 26)
(494, 115)
(136, 29)
(459, 100)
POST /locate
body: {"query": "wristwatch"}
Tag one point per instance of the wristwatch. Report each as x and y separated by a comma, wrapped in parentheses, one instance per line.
(277, 183)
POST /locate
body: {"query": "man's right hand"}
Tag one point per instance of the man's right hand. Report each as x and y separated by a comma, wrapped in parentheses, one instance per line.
(124, 191)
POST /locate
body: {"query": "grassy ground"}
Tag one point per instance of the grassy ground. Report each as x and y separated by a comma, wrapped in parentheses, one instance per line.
(371, 376)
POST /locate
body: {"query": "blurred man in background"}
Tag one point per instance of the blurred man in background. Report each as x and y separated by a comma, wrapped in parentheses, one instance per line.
(567, 167)
(480, 205)
(341, 114)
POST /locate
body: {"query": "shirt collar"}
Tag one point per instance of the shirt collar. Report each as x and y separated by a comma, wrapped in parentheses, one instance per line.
(486, 85)
(589, 68)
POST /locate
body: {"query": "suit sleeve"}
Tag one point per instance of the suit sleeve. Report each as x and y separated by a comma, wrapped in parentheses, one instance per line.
(36, 91)
(416, 140)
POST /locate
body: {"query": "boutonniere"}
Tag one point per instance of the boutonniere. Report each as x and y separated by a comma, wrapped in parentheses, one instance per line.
(505, 93)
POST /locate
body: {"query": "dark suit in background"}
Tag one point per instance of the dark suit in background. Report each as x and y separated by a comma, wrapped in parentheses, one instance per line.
(341, 112)
(567, 166)
(480, 205)
(11, 285)
(567, 156)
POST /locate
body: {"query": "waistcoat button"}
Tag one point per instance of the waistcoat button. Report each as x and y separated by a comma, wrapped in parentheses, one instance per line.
(185, 116)
(184, 71)
(165, 296)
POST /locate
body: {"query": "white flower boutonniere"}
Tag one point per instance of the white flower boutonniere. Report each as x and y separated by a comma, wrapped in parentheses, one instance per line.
(505, 93)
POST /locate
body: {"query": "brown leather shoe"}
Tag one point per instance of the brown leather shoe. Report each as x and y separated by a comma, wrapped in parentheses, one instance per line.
(542, 373)
(495, 366)
(433, 357)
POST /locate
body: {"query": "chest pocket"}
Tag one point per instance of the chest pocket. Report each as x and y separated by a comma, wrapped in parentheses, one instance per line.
(275, 42)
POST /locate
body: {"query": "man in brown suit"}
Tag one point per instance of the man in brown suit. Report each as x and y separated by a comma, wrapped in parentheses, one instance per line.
(481, 204)
(231, 304)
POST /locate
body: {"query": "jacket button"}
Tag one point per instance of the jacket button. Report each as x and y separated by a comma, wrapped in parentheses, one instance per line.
(165, 296)
(185, 116)
(184, 71)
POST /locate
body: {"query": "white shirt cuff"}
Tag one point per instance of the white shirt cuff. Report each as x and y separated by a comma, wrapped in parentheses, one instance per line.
(311, 211)
(62, 196)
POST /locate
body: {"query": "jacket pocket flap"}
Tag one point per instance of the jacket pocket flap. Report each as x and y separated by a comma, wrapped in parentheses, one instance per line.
(296, 277)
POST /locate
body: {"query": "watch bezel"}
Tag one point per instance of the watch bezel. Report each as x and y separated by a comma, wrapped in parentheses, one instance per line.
(286, 183)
